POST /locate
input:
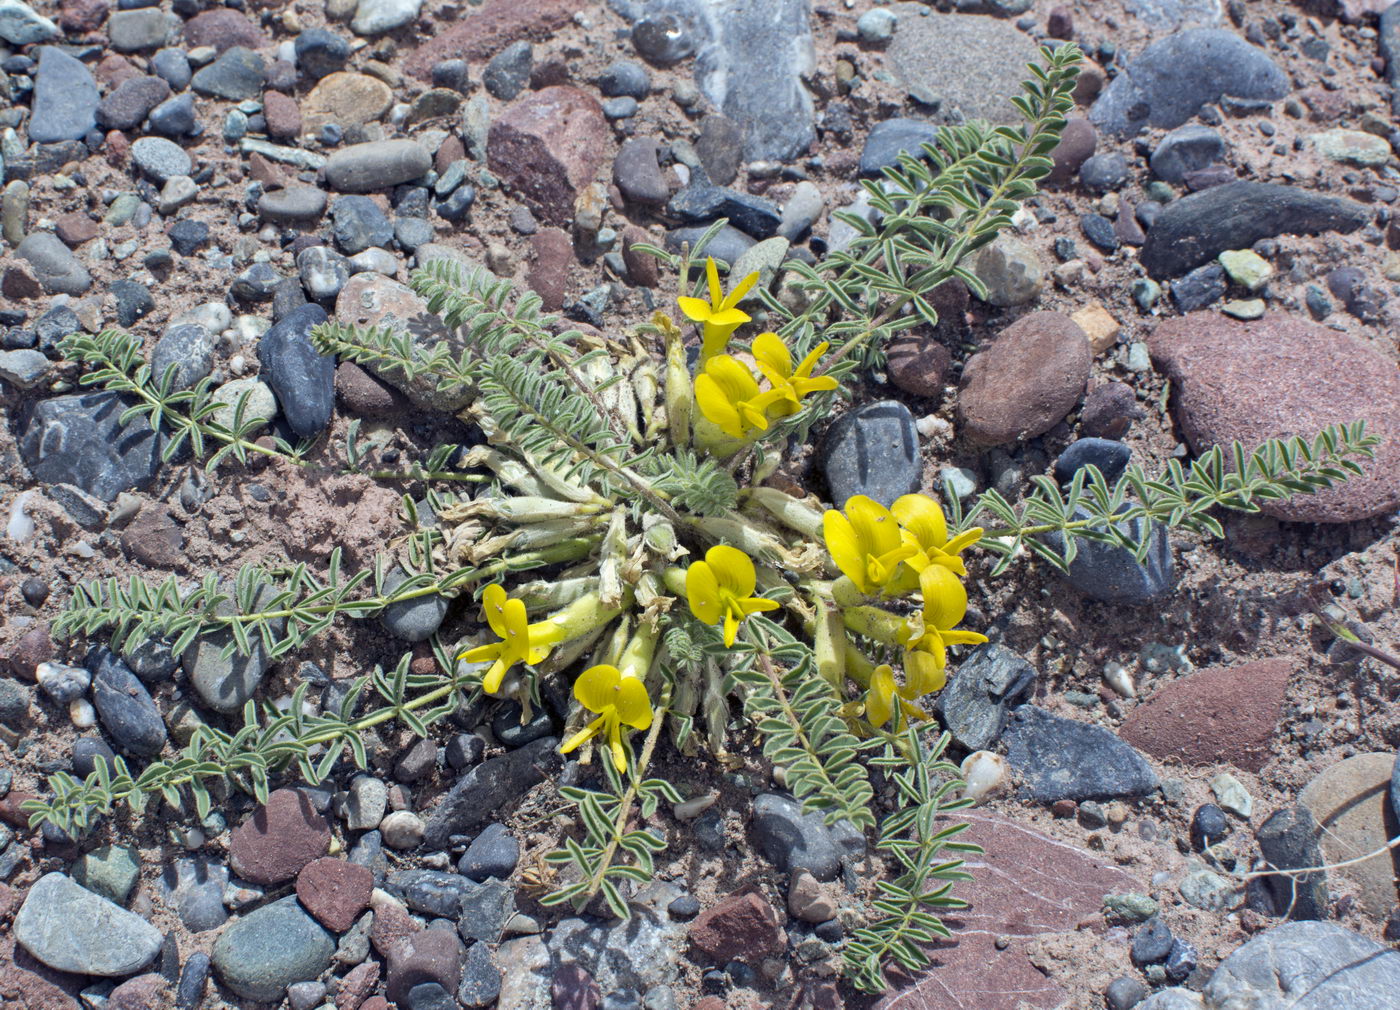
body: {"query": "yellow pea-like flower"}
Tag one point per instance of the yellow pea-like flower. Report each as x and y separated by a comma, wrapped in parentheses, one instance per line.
(866, 544)
(923, 527)
(620, 699)
(721, 588)
(521, 642)
(885, 694)
(927, 635)
(728, 395)
(790, 385)
(718, 317)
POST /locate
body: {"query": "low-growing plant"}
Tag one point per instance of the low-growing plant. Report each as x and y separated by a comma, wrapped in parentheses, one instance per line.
(623, 539)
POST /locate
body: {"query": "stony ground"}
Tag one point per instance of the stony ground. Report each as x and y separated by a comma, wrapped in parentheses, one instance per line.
(1212, 259)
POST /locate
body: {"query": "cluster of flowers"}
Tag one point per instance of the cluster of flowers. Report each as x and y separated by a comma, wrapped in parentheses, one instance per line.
(882, 554)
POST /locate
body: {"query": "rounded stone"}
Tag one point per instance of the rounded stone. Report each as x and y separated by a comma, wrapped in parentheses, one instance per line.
(335, 891)
(1025, 383)
(270, 948)
(279, 839)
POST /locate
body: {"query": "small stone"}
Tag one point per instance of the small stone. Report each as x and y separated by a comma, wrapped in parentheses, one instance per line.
(1186, 149)
(1026, 382)
(335, 891)
(876, 25)
(320, 52)
(237, 75)
(194, 886)
(110, 871)
(637, 173)
(21, 25)
(1125, 993)
(1152, 943)
(127, 105)
(1011, 271)
(270, 948)
(740, 926)
(429, 955)
(281, 837)
(345, 100)
(160, 159)
(493, 853)
(546, 147)
(1200, 288)
(402, 830)
(55, 266)
(808, 900)
(1231, 794)
(1104, 172)
(365, 803)
(364, 168)
(1246, 268)
(375, 17)
(1204, 889)
(795, 841)
(508, 71)
(69, 928)
(1066, 759)
(127, 710)
(874, 451)
(1352, 147)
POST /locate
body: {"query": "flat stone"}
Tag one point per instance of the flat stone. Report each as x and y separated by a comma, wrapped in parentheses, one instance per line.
(345, 99)
(1349, 802)
(55, 266)
(22, 25)
(476, 796)
(24, 368)
(429, 955)
(302, 378)
(160, 159)
(223, 28)
(752, 215)
(281, 837)
(69, 928)
(1306, 966)
(1169, 81)
(127, 710)
(1199, 227)
(335, 891)
(375, 17)
(873, 451)
(127, 105)
(364, 168)
(132, 31)
(1281, 376)
(981, 690)
(111, 871)
(972, 63)
(79, 440)
(1169, 15)
(194, 887)
(739, 926)
(1288, 841)
(270, 948)
(237, 75)
(293, 205)
(226, 683)
(1351, 147)
(637, 173)
(414, 620)
(793, 840)
(1221, 715)
(1032, 375)
(890, 138)
(493, 853)
(546, 147)
(1011, 271)
(189, 347)
(479, 33)
(1066, 759)
(1024, 887)
(728, 244)
(1186, 149)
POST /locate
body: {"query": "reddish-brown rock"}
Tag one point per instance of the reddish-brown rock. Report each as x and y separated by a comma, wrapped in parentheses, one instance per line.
(79, 16)
(551, 256)
(283, 115)
(1281, 376)
(430, 955)
(1077, 143)
(546, 146)
(391, 924)
(482, 32)
(114, 69)
(144, 992)
(34, 647)
(356, 986)
(25, 983)
(375, 1003)
(740, 926)
(279, 839)
(223, 28)
(918, 363)
(1224, 715)
(335, 891)
(1025, 383)
(154, 538)
(450, 150)
(10, 811)
(18, 282)
(364, 395)
(75, 228)
(1025, 885)
(573, 988)
(642, 269)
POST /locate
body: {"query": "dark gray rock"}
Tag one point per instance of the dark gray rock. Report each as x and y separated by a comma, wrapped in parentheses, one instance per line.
(263, 952)
(1181, 960)
(752, 215)
(481, 979)
(432, 892)
(1288, 841)
(86, 751)
(127, 105)
(80, 440)
(1152, 942)
(194, 887)
(485, 912)
(132, 30)
(1171, 79)
(1200, 288)
(1208, 826)
(720, 147)
(665, 38)
(508, 71)
(1307, 966)
(359, 225)
(792, 840)
(1187, 149)
(1109, 455)
(1199, 227)
(493, 853)
(625, 78)
(258, 283)
(54, 264)
(638, 174)
(1125, 993)
(189, 993)
(302, 378)
(980, 691)
(1104, 172)
(134, 301)
(380, 164)
(1063, 759)
(188, 236)
(126, 708)
(1100, 231)
(173, 67)
(429, 996)
(237, 75)
(65, 100)
(69, 928)
(174, 117)
(294, 204)
(508, 728)
(14, 704)
(323, 271)
(476, 797)
(412, 620)
(225, 683)
(728, 244)
(320, 52)
(890, 138)
(1112, 573)
(189, 347)
(457, 204)
(873, 451)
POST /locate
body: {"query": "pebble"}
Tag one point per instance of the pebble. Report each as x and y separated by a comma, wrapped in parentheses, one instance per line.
(481, 979)
(890, 138)
(739, 926)
(638, 174)
(23, 369)
(988, 682)
(1186, 149)
(335, 891)
(193, 978)
(1104, 172)
(508, 72)
(359, 224)
(493, 853)
(728, 244)
(1350, 799)
(237, 75)
(1011, 271)
(1199, 227)
(127, 105)
(1204, 889)
(1065, 759)
(876, 25)
(874, 451)
(1109, 456)
(1113, 574)
(1100, 231)
(302, 378)
(173, 67)
(1200, 288)
(1152, 942)
(345, 100)
(128, 712)
(1208, 826)
(625, 78)
(294, 204)
(1125, 993)
(365, 168)
(1333, 966)
(1025, 383)
(1231, 794)
(259, 408)
(375, 17)
(1077, 142)
(132, 31)
(1169, 81)
(720, 148)
(794, 841)
(1351, 147)
(425, 957)
(271, 947)
(55, 266)
(69, 928)
(282, 836)
(111, 871)
(160, 159)
(79, 440)
(402, 830)
(187, 236)
(194, 887)
(323, 271)
(21, 25)
(1246, 268)
(1181, 961)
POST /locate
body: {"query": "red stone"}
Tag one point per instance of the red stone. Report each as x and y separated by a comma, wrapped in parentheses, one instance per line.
(740, 926)
(154, 538)
(375, 1003)
(335, 891)
(10, 811)
(25, 983)
(19, 283)
(75, 228)
(918, 363)
(391, 924)
(33, 648)
(1060, 23)
(481, 33)
(144, 992)
(450, 150)
(430, 955)
(642, 269)
(356, 986)
(283, 115)
(1077, 142)
(279, 839)
(1025, 885)
(114, 69)
(79, 16)
(262, 170)
(548, 145)
(1224, 715)
(552, 254)
(223, 28)
(117, 148)
(365, 395)
(1281, 376)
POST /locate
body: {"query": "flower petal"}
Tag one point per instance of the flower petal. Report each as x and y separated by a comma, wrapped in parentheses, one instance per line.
(732, 568)
(844, 547)
(733, 377)
(517, 634)
(717, 407)
(878, 706)
(769, 350)
(702, 590)
(875, 527)
(758, 604)
(739, 291)
(921, 516)
(924, 673)
(493, 602)
(730, 318)
(810, 362)
(731, 628)
(712, 275)
(945, 599)
(633, 705)
(695, 309)
(582, 736)
(491, 683)
(596, 687)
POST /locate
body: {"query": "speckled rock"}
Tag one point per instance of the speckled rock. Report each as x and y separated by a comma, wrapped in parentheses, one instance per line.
(1025, 383)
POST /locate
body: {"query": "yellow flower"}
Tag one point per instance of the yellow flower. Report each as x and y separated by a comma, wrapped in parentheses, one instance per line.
(721, 588)
(718, 316)
(883, 693)
(520, 642)
(923, 527)
(728, 396)
(865, 543)
(618, 698)
(775, 363)
(926, 635)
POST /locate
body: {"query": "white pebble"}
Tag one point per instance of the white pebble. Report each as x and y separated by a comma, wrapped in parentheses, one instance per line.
(933, 426)
(1116, 676)
(84, 550)
(403, 829)
(692, 808)
(985, 773)
(20, 527)
(82, 714)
